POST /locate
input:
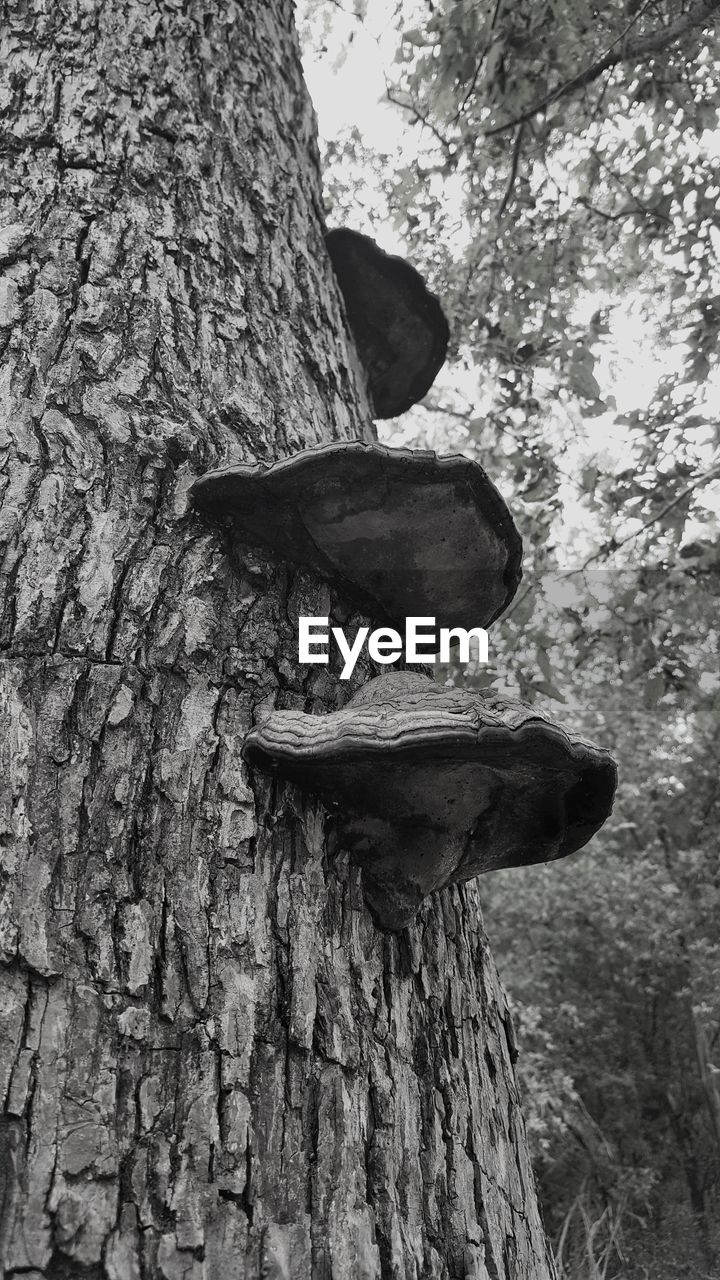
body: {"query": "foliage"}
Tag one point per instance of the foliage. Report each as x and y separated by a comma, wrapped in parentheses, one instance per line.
(545, 236)
(557, 181)
(612, 959)
(612, 963)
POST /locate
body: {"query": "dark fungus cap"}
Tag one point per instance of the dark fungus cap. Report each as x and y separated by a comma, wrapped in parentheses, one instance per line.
(399, 327)
(431, 786)
(406, 533)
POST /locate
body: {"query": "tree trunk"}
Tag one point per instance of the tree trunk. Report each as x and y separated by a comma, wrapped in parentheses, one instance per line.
(212, 1063)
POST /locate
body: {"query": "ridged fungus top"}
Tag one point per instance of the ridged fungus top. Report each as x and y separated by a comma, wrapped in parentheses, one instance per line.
(431, 785)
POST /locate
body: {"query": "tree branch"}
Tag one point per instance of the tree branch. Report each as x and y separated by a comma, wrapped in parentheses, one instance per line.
(517, 148)
(698, 482)
(423, 119)
(617, 179)
(637, 50)
(609, 217)
(478, 65)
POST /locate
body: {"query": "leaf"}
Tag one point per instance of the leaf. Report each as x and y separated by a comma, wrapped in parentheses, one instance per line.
(588, 478)
(653, 690)
(547, 690)
(595, 410)
(583, 381)
(544, 664)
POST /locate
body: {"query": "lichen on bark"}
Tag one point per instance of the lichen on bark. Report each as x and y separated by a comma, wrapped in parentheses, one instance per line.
(211, 1063)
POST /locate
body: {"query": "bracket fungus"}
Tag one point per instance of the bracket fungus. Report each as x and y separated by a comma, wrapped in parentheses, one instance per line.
(407, 533)
(431, 786)
(399, 327)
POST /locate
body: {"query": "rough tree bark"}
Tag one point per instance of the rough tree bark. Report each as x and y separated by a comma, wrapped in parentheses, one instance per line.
(211, 1063)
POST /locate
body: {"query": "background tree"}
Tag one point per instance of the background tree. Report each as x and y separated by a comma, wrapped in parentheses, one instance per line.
(558, 178)
(211, 1063)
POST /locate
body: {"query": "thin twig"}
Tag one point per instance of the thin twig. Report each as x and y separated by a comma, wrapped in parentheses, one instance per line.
(517, 148)
(640, 49)
(609, 217)
(414, 110)
(618, 180)
(478, 67)
(603, 552)
(469, 415)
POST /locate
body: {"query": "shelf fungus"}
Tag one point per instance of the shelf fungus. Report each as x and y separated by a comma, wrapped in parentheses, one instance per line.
(399, 327)
(430, 786)
(406, 533)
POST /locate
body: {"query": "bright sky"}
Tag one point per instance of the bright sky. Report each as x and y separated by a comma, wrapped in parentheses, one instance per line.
(347, 86)
(347, 79)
